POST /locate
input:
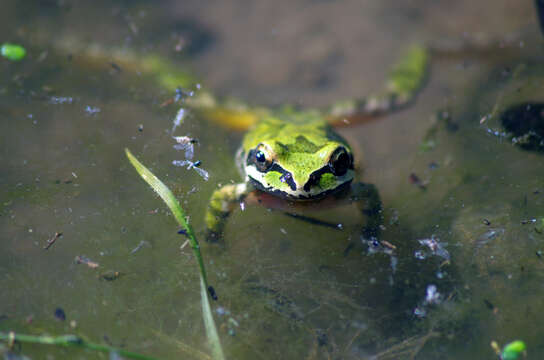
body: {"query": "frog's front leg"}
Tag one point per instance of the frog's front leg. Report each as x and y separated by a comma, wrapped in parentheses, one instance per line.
(368, 201)
(221, 205)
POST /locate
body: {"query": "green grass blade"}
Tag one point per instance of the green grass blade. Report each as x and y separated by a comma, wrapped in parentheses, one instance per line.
(173, 204)
(179, 214)
(209, 324)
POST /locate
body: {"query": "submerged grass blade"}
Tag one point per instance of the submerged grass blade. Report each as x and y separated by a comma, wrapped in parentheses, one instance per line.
(209, 324)
(173, 204)
(71, 340)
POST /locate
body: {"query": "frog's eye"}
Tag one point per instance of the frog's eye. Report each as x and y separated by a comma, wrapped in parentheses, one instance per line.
(261, 158)
(340, 162)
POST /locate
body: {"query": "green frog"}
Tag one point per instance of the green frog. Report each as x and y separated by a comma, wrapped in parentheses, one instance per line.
(288, 154)
(296, 155)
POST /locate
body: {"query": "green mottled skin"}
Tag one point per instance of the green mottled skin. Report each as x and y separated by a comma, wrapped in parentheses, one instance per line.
(326, 181)
(301, 144)
(273, 178)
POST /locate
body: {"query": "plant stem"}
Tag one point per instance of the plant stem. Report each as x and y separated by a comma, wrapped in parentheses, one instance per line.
(70, 340)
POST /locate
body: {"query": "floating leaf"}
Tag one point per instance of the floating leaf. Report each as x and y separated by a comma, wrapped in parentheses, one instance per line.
(13, 52)
(513, 350)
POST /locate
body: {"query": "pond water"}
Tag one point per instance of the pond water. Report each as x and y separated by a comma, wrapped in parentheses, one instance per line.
(463, 206)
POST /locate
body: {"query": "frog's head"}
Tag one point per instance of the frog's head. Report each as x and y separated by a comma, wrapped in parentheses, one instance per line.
(297, 161)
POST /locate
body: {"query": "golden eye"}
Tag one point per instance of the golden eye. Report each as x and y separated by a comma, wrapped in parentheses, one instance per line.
(340, 162)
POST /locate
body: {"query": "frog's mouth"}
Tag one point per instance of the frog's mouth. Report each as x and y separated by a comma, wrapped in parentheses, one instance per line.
(298, 196)
(280, 182)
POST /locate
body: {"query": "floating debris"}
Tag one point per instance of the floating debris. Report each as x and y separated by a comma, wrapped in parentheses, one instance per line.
(192, 165)
(420, 254)
(61, 100)
(222, 311)
(388, 245)
(490, 306)
(60, 314)
(82, 259)
(187, 144)
(181, 94)
(92, 110)
(511, 351)
(184, 244)
(497, 133)
(435, 246)
(109, 275)
(139, 246)
(488, 236)
(13, 52)
(51, 241)
(178, 96)
(178, 120)
(420, 312)
(116, 67)
(427, 145)
(167, 102)
(414, 179)
(433, 297)
(180, 44)
(376, 246)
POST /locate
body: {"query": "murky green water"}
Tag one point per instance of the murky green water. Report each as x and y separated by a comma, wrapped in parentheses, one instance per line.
(286, 288)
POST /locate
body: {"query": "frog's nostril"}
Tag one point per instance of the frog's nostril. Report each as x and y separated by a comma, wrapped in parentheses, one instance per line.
(288, 178)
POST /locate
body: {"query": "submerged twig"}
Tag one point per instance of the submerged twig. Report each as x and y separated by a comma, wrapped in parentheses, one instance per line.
(51, 241)
(409, 347)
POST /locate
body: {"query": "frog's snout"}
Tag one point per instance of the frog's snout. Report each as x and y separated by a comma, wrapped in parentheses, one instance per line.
(287, 177)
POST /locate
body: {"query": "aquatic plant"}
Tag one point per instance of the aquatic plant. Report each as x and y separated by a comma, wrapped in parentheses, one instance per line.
(179, 214)
(12, 52)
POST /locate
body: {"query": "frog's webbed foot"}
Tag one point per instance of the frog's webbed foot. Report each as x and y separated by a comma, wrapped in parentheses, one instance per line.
(405, 80)
(368, 200)
(221, 205)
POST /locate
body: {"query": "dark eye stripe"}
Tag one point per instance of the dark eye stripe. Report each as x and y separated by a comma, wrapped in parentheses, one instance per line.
(316, 176)
(285, 177)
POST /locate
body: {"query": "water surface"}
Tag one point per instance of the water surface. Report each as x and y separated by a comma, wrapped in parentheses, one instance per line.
(286, 288)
